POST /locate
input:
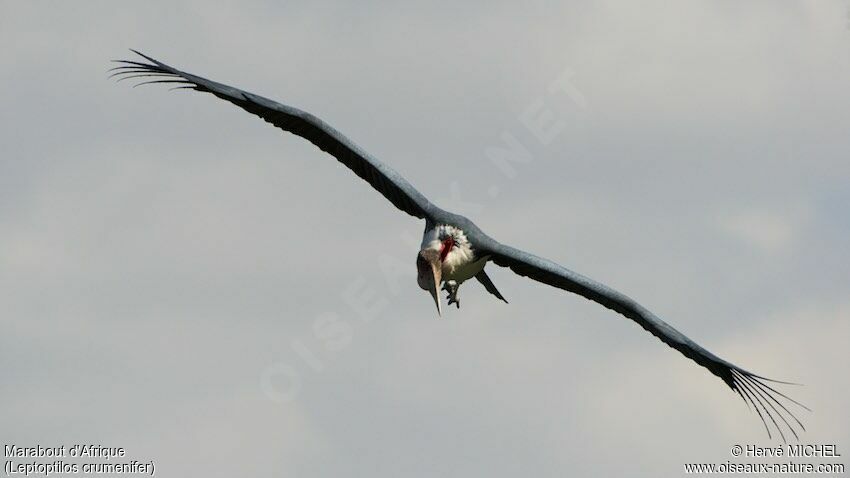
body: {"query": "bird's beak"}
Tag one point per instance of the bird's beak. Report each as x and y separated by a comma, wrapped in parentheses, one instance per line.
(437, 270)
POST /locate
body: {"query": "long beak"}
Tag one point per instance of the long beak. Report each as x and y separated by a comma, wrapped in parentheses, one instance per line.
(436, 268)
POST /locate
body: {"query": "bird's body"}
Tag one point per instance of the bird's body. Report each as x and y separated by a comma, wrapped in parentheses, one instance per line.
(458, 259)
(454, 249)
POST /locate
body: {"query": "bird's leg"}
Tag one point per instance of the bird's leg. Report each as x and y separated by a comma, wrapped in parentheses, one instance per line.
(452, 287)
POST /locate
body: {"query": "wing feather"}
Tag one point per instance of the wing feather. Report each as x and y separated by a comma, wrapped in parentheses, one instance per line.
(747, 384)
(380, 176)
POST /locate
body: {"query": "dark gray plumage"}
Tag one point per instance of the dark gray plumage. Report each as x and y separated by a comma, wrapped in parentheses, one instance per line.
(751, 387)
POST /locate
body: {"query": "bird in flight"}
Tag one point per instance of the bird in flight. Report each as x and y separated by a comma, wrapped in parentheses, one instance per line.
(455, 250)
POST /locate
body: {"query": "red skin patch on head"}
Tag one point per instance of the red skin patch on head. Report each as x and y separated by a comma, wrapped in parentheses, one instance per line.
(448, 244)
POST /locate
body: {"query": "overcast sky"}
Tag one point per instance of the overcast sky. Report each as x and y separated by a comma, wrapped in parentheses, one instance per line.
(183, 280)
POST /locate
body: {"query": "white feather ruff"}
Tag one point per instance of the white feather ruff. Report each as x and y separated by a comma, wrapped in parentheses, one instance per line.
(458, 265)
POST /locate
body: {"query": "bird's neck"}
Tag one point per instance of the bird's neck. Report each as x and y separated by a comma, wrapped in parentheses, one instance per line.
(451, 243)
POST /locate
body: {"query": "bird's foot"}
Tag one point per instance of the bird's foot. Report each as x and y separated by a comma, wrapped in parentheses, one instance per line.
(452, 287)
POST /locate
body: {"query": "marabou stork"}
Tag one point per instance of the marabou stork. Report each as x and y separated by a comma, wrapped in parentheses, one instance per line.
(454, 249)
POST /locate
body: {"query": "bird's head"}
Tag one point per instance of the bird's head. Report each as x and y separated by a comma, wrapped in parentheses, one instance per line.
(429, 268)
(444, 248)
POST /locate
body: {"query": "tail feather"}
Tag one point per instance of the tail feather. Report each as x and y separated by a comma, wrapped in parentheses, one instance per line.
(488, 284)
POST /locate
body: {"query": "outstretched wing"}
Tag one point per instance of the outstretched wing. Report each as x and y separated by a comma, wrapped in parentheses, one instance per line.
(383, 178)
(751, 387)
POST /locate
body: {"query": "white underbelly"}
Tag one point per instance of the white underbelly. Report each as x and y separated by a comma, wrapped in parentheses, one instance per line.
(464, 271)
